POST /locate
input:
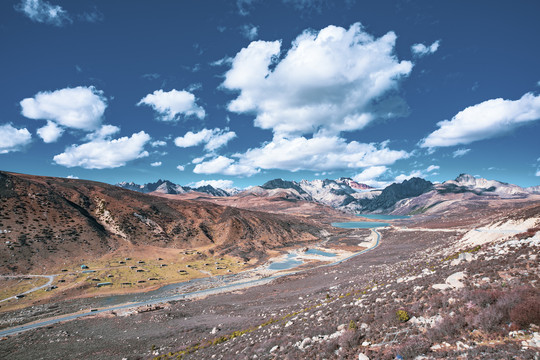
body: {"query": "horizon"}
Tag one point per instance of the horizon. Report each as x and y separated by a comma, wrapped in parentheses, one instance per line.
(217, 185)
(247, 91)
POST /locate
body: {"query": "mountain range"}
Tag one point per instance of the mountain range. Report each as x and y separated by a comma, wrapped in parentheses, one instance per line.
(347, 195)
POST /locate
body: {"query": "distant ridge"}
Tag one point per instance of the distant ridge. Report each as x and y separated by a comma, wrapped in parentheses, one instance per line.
(168, 187)
(347, 195)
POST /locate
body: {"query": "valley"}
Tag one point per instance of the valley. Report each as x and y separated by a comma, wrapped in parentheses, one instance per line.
(290, 283)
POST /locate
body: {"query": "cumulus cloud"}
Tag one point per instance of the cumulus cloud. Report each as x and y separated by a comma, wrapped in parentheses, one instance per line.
(369, 176)
(417, 173)
(79, 108)
(538, 172)
(420, 50)
(460, 152)
(315, 154)
(50, 133)
(250, 32)
(173, 104)
(219, 184)
(224, 165)
(181, 167)
(103, 132)
(72, 177)
(157, 163)
(43, 12)
(158, 143)
(486, 120)
(212, 139)
(13, 139)
(105, 153)
(328, 81)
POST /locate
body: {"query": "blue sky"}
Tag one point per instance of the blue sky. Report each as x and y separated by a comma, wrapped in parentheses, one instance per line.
(236, 93)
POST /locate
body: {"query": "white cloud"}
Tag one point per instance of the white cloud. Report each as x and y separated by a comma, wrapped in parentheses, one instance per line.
(369, 176)
(414, 173)
(72, 177)
(180, 167)
(213, 139)
(538, 172)
(198, 160)
(224, 165)
(78, 108)
(370, 173)
(460, 152)
(417, 173)
(173, 104)
(315, 154)
(158, 143)
(43, 12)
(50, 133)
(218, 184)
(13, 139)
(105, 131)
(157, 163)
(250, 32)
(420, 50)
(488, 119)
(105, 153)
(328, 81)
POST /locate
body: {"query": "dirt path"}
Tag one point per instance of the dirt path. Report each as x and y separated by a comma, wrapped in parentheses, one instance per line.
(50, 277)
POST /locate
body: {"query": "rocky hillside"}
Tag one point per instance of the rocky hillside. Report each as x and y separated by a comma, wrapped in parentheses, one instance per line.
(46, 222)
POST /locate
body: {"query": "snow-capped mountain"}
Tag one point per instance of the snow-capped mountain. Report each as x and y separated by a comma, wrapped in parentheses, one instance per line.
(471, 183)
(168, 187)
(342, 193)
(411, 196)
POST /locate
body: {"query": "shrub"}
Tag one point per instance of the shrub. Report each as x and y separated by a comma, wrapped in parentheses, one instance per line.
(448, 328)
(352, 325)
(527, 312)
(413, 347)
(349, 340)
(402, 315)
(489, 319)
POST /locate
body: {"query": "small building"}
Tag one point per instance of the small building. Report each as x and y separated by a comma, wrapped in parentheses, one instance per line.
(163, 265)
(104, 284)
(84, 266)
(140, 270)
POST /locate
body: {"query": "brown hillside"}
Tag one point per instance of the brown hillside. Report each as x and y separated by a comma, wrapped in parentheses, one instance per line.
(46, 222)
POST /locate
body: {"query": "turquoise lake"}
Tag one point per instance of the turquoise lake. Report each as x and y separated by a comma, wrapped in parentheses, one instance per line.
(360, 224)
(289, 263)
(319, 252)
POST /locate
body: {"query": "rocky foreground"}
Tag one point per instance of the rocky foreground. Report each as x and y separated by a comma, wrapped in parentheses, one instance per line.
(460, 291)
